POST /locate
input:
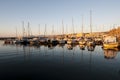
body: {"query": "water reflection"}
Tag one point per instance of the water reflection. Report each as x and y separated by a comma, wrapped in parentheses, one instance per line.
(69, 61)
(70, 47)
(35, 46)
(110, 54)
(50, 46)
(82, 47)
(90, 48)
(28, 49)
(61, 45)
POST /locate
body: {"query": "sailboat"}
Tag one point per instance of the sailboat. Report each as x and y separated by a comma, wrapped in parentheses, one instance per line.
(35, 41)
(43, 40)
(81, 40)
(53, 40)
(19, 39)
(90, 41)
(72, 39)
(61, 40)
(110, 42)
(25, 40)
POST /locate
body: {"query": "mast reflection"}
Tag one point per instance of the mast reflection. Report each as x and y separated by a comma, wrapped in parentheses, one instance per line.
(91, 48)
(69, 47)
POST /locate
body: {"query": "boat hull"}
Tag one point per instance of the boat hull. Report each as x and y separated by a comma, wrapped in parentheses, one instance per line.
(111, 46)
(90, 43)
(82, 42)
(61, 41)
(72, 42)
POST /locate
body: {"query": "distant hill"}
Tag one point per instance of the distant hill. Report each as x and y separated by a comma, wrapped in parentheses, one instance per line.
(115, 32)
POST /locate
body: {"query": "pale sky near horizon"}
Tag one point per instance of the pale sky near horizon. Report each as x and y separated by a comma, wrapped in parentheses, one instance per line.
(105, 15)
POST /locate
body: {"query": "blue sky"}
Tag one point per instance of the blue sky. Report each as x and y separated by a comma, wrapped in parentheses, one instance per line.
(105, 14)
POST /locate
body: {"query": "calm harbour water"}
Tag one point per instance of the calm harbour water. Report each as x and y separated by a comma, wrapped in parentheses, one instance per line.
(47, 62)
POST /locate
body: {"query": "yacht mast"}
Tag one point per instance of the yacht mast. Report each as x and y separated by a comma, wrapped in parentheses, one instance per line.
(73, 26)
(53, 31)
(16, 33)
(23, 29)
(62, 28)
(39, 29)
(45, 30)
(66, 29)
(28, 29)
(82, 25)
(91, 22)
